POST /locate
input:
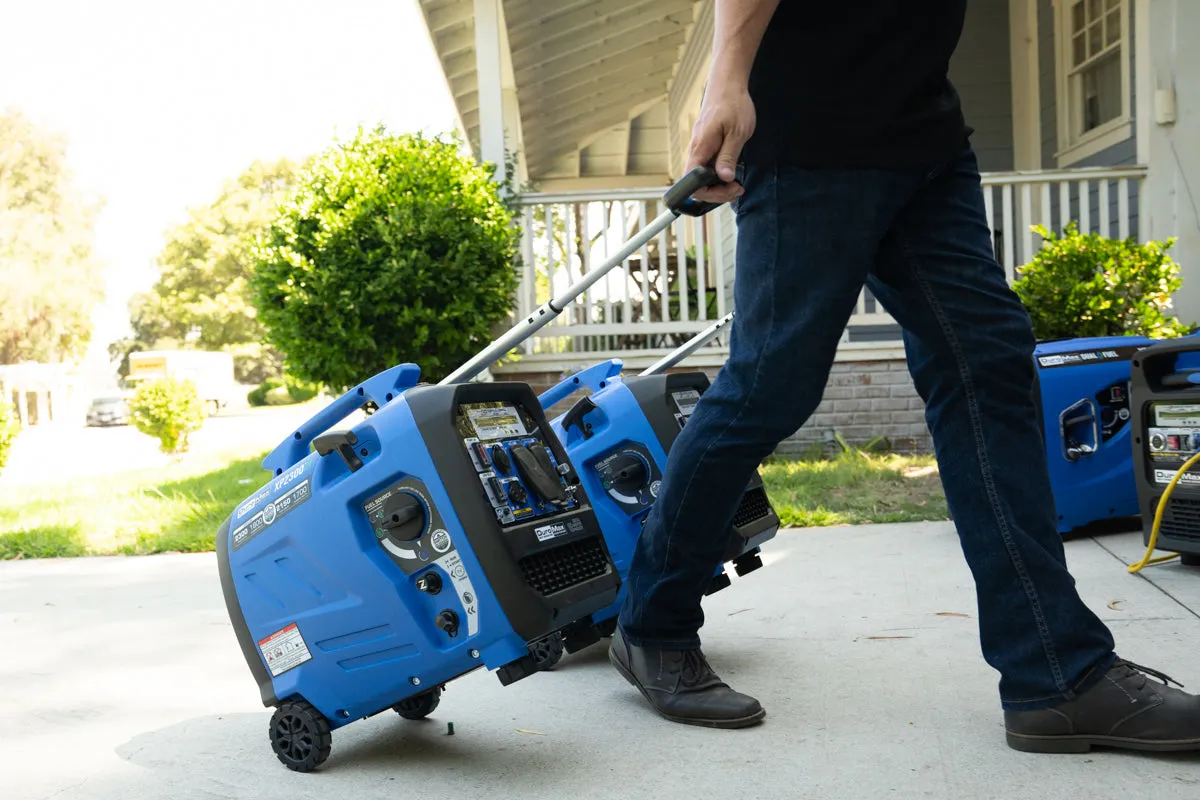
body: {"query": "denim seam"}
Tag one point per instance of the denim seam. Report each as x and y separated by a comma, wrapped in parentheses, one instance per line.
(1014, 555)
(774, 206)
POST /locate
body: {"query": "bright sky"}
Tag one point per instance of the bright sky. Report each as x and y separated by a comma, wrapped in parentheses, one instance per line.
(163, 100)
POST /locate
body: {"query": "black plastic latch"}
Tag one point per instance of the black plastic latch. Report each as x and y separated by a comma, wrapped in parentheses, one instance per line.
(342, 443)
(581, 409)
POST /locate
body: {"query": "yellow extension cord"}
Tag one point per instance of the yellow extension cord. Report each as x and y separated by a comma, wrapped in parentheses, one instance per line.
(1158, 515)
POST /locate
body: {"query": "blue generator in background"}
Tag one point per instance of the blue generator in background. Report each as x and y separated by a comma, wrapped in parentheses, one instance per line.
(445, 532)
(1083, 387)
(617, 437)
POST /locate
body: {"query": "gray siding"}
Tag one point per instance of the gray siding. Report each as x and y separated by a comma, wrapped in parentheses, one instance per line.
(1121, 154)
(981, 70)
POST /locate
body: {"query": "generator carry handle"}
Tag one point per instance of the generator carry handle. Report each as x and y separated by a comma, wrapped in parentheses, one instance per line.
(1155, 366)
(679, 202)
(380, 390)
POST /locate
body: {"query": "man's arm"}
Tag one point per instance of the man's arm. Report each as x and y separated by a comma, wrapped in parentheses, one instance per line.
(727, 117)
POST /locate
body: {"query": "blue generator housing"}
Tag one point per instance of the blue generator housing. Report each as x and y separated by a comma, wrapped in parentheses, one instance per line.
(444, 532)
(1083, 386)
(618, 437)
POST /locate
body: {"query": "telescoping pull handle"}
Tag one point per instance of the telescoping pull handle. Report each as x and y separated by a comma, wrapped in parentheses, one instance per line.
(679, 197)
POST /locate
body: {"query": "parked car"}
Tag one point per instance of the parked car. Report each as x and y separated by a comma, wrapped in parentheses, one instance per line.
(108, 410)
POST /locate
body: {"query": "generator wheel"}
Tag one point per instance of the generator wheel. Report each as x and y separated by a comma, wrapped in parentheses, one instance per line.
(1189, 559)
(300, 736)
(547, 652)
(419, 706)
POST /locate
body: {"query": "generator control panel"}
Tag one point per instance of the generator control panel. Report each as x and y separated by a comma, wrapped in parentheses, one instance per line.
(516, 468)
(1113, 402)
(1172, 437)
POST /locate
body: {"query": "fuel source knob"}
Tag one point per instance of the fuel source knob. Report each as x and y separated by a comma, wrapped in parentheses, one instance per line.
(404, 517)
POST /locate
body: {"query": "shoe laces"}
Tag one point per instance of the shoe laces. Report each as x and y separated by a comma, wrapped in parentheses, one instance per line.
(695, 668)
(1142, 672)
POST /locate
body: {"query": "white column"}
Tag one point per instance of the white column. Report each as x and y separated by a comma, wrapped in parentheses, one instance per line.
(1026, 98)
(488, 72)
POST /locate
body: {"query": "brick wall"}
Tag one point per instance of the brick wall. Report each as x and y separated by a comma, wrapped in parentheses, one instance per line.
(862, 400)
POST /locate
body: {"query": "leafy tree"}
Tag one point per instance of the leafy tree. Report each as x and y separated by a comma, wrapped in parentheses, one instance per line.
(50, 278)
(1090, 285)
(168, 410)
(201, 299)
(392, 249)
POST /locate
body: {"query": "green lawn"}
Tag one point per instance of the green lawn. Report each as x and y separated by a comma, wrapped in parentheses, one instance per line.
(854, 489)
(179, 509)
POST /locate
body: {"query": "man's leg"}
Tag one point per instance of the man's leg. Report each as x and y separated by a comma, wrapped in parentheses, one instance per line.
(970, 352)
(806, 241)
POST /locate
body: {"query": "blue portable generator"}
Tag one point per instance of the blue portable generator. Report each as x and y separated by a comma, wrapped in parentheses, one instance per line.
(445, 532)
(618, 436)
(1083, 389)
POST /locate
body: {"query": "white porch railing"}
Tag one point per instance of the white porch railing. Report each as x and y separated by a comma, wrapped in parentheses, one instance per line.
(682, 280)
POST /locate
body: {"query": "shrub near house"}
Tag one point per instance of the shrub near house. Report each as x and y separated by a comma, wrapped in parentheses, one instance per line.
(1087, 285)
(168, 410)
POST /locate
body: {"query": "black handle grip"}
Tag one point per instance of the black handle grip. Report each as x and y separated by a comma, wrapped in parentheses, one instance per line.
(679, 197)
(574, 417)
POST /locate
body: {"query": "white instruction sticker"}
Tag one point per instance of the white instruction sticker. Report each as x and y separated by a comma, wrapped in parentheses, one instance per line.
(284, 650)
(497, 423)
(686, 401)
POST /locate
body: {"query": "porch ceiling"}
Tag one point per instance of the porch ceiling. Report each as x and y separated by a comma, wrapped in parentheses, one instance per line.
(581, 67)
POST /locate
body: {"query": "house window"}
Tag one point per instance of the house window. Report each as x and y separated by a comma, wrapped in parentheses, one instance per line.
(1094, 77)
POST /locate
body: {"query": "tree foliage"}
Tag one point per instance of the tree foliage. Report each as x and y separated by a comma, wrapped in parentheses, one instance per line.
(168, 410)
(50, 278)
(1089, 285)
(392, 249)
(201, 298)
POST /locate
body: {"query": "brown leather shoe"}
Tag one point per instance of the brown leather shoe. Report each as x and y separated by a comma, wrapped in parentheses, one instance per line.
(682, 687)
(1124, 710)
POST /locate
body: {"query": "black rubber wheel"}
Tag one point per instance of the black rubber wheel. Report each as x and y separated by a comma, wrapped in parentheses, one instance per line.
(419, 706)
(547, 652)
(1190, 559)
(300, 736)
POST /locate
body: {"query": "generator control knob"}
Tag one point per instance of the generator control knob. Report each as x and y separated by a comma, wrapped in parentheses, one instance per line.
(1157, 442)
(404, 517)
(447, 621)
(629, 474)
(430, 583)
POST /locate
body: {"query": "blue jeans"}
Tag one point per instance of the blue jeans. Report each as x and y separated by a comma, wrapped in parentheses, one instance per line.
(808, 241)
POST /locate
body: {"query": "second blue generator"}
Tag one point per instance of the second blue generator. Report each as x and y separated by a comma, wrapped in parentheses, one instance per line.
(1082, 386)
(617, 436)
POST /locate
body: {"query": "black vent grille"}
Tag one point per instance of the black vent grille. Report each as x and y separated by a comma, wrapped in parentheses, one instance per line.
(568, 565)
(754, 506)
(1181, 520)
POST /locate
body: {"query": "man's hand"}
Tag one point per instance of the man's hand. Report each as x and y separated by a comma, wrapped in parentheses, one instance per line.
(725, 124)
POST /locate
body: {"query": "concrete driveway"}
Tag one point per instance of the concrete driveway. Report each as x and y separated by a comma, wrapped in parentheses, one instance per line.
(121, 680)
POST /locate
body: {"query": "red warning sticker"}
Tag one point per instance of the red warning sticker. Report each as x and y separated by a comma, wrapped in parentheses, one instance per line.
(283, 650)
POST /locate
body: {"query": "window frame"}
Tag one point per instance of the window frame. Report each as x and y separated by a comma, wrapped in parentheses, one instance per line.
(1071, 148)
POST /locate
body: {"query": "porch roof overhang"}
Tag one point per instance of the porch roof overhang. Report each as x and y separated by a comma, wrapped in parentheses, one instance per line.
(580, 87)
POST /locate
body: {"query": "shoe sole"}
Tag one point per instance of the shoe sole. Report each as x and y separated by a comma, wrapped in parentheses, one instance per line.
(1027, 743)
(738, 722)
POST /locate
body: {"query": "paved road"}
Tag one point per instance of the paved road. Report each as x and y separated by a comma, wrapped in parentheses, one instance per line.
(121, 680)
(53, 452)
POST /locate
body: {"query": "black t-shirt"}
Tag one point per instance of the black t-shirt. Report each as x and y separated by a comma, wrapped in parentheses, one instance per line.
(858, 83)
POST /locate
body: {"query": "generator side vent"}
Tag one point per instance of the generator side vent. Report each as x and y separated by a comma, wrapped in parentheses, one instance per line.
(1182, 519)
(569, 565)
(754, 506)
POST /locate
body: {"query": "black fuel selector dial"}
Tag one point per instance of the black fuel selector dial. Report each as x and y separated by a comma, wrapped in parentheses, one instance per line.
(404, 517)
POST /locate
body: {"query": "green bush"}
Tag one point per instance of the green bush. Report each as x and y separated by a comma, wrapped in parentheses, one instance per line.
(1089, 285)
(168, 410)
(392, 249)
(9, 428)
(282, 391)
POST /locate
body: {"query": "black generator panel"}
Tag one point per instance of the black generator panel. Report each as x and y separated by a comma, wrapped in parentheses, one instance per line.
(1165, 401)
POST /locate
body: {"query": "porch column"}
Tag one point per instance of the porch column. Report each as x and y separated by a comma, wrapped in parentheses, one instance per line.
(1026, 99)
(499, 112)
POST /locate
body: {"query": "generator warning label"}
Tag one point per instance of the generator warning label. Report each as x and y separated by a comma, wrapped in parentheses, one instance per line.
(1164, 477)
(285, 503)
(686, 401)
(284, 650)
(497, 423)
